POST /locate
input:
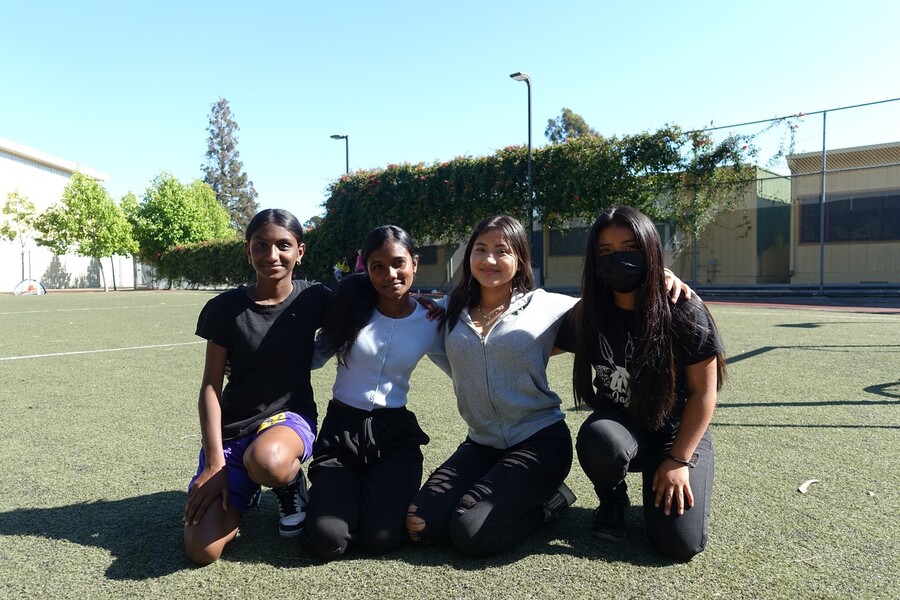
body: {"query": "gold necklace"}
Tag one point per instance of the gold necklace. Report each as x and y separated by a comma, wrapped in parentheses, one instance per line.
(488, 319)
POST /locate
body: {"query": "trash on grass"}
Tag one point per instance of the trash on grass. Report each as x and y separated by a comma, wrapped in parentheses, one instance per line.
(804, 487)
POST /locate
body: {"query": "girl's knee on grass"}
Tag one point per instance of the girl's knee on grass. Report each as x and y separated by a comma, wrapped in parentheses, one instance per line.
(205, 541)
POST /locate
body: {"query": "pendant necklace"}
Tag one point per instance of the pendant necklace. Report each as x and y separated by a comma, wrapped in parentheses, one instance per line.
(488, 319)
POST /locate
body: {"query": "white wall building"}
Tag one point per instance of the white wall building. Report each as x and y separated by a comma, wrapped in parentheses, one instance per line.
(42, 178)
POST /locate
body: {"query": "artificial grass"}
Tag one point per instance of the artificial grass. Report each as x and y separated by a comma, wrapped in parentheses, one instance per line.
(97, 449)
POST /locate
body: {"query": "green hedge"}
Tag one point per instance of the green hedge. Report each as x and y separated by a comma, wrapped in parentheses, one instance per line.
(674, 176)
(207, 264)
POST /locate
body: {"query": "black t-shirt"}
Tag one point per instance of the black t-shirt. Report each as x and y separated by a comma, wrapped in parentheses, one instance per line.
(613, 353)
(270, 351)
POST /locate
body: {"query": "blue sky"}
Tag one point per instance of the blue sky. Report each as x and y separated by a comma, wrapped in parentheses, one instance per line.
(126, 87)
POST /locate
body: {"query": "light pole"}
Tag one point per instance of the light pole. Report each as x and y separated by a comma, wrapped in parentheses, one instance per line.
(346, 139)
(523, 76)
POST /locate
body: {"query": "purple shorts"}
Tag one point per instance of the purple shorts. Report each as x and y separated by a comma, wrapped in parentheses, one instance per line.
(243, 491)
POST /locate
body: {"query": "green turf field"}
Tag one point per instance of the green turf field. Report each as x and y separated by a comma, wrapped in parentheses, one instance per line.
(100, 436)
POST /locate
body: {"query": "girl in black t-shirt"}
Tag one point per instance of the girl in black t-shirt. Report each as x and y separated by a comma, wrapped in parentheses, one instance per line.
(650, 370)
(259, 426)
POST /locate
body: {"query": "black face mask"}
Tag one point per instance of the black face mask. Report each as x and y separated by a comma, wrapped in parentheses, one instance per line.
(622, 271)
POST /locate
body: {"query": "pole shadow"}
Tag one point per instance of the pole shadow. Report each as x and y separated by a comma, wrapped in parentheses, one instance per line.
(815, 348)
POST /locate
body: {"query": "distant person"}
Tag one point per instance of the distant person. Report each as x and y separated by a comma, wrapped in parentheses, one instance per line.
(258, 428)
(650, 370)
(367, 459)
(360, 263)
(341, 269)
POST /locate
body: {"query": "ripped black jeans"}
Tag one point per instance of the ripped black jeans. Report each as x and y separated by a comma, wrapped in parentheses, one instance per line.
(486, 500)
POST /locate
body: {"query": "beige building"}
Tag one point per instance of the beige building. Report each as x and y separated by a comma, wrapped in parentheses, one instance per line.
(861, 219)
(42, 178)
(746, 245)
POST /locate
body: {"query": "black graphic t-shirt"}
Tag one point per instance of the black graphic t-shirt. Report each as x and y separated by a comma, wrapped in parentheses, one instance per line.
(613, 354)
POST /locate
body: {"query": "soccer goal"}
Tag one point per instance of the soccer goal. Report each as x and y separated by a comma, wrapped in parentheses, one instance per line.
(29, 287)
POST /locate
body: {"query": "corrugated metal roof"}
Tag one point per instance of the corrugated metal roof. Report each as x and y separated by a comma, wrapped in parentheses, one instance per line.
(876, 155)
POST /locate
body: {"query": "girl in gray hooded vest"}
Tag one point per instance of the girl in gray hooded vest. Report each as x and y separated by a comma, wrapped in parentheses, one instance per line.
(506, 478)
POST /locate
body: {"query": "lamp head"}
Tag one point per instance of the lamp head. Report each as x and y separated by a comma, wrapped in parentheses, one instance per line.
(338, 137)
(521, 76)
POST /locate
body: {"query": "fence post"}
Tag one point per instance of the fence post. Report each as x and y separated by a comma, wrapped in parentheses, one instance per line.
(822, 215)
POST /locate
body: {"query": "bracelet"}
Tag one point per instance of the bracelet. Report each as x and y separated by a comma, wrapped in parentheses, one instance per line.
(688, 463)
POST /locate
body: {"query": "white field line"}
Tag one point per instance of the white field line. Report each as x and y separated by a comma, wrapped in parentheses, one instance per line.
(818, 314)
(63, 310)
(102, 350)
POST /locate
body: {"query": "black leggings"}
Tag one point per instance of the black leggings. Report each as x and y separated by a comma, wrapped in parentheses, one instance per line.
(609, 447)
(486, 500)
(366, 466)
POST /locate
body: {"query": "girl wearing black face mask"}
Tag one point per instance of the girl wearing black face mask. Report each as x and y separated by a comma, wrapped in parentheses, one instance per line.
(650, 370)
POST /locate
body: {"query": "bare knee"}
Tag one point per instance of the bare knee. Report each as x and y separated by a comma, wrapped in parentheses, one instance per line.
(205, 542)
(270, 465)
(203, 556)
(415, 524)
(201, 553)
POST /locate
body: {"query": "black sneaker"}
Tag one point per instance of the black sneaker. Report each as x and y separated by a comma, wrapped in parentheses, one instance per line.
(292, 501)
(609, 517)
(254, 499)
(562, 499)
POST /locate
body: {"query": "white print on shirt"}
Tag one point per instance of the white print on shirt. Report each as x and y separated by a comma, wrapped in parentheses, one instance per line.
(613, 380)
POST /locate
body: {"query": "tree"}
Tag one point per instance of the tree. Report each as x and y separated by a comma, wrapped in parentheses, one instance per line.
(223, 169)
(172, 213)
(566, 126)
(88, 222)
(18, 221)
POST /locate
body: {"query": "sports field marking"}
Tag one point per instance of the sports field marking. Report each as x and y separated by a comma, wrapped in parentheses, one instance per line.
(812, 314)
(63, 310)
(102, 350)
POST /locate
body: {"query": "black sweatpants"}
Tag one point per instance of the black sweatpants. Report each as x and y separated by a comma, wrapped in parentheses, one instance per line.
(486, 500)
(366, 467)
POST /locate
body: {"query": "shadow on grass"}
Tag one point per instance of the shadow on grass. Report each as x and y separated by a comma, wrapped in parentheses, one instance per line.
(143, 534)
(814, 348)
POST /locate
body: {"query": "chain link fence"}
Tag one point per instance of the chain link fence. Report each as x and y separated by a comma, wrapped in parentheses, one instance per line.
(821, 213)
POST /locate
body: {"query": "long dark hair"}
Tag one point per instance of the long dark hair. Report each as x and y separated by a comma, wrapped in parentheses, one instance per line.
(468, 293)
(276, 216)
(355, 298)
(652, 369)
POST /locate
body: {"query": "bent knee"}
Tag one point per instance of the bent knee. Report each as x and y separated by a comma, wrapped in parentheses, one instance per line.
(415, 525)
(205, 555)
(471, 542)
(271, 469)
(679, 549)
(326, 538)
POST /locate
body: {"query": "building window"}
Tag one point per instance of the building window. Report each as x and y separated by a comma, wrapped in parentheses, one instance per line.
(569, 242)
(852, 219)
(428, 255)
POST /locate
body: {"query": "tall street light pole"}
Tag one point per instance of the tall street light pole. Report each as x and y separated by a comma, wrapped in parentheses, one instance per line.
(523, 76)
(346, 139)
